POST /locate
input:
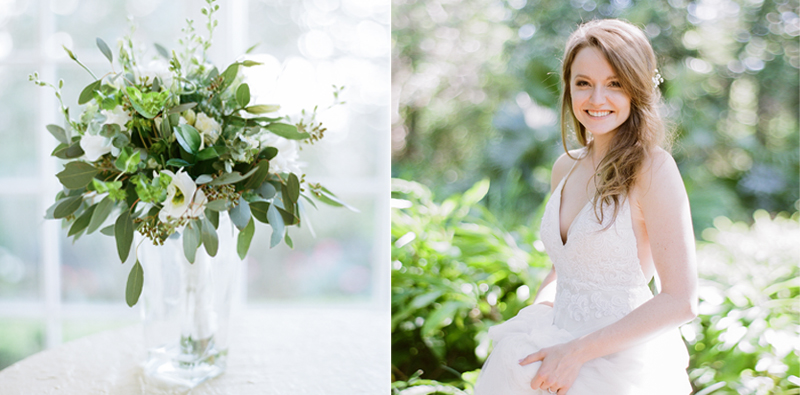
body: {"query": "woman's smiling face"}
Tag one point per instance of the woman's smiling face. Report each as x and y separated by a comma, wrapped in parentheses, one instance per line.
(598, 100)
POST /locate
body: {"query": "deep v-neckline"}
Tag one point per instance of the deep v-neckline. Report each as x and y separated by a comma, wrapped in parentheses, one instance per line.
(558, 211)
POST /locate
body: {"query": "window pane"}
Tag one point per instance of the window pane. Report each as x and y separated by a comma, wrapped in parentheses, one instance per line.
(17, 130)
(19, 248)
(90, 269)
(18, 29)
(78, 328)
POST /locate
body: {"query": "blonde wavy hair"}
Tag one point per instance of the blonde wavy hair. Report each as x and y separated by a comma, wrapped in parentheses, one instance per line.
(630, 55)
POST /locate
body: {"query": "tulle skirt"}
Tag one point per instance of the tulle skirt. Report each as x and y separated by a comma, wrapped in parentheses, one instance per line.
(657, 367)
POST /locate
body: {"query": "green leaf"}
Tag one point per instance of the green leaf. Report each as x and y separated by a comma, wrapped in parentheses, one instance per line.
(240, 214)
(243, 95)
(262, 108)
(181, 108)
(288, 241)
(67, 206)
(213, 217)
(77, 175)
(251, 63)
(259, 211)
(108, 230)
(276, 222)
(59, 133)
(104, 49)
(189, 138)
(191, 240)
(149, 104)
(128, 162)
(166, 128)
(100, 214)
(244, 239)
(218, 205)
(267, 190)
(203, 179)
(287, 131)
(162, 51)
(475, 193)
(258, 178)
(268, 153)
(88, 92)
(209, 236)
(208, 153)
(64, 151)
(123, 232)
(135, 282)
(293, 187)
(436, 320)
(82, 222)
(229, 75)
(176, 162)
(232, 177)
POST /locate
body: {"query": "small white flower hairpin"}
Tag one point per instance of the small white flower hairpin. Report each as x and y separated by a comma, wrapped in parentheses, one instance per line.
(657, 79)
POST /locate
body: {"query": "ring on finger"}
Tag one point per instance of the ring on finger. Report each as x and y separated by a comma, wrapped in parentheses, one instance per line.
(550, 391)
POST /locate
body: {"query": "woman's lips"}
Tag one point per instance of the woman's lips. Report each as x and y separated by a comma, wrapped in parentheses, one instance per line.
(598, 114)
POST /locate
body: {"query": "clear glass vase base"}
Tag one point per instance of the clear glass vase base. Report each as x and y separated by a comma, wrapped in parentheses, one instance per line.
(170, 367)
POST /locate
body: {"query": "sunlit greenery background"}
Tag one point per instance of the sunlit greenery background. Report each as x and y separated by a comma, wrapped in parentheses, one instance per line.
(475, 90)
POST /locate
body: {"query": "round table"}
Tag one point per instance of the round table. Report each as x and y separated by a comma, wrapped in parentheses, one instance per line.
(293, 351)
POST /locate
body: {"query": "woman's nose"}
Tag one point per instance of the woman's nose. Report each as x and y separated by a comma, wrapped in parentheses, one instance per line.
(598, 96)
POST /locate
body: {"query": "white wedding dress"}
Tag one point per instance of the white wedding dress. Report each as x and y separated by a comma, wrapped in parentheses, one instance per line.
(600, 280)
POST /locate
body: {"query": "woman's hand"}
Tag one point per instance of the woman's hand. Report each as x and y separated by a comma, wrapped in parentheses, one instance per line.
(560, 366)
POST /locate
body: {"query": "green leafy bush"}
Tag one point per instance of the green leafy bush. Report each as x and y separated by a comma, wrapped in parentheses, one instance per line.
(456, 272)
(747, 337)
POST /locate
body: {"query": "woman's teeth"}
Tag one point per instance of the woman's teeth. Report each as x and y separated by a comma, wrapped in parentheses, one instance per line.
(598, 113)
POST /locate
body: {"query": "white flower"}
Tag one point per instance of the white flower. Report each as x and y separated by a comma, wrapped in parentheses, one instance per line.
(95, 146)
(183, 197)
(208, 127)
(117, 116)
(158, 68)
(287, 160)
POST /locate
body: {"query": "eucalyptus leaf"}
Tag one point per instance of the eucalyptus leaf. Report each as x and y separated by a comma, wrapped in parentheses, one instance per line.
(208, 153)
(287, 131)
(77, 175)
(268, 153)
(288, 241)
(213, 217)
(88, 92)
(108, 230)
(262, 108)
(218, 205)
(191, 240)
(245, 238)
(293, 187)
(232, 177)
(133, 289)
(67, 206)
(100, 214)
(259, 211)
(104, 49)
(276, 222)
(189, 138)
(181, 108)
(176, 162)
(209, 236)
(123, 232)
(229, 75)
(166, 127)
(59, 133)
(243, 95)
(267, 190)
(162, 51)
(82, 222)
(64, 151)
(258, 178)
(203, 179)
(240, 214)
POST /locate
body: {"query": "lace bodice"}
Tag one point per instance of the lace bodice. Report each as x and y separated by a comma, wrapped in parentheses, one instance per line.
(599, 273)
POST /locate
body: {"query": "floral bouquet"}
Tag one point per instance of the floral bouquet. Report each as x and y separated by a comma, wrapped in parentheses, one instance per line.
(167, 149)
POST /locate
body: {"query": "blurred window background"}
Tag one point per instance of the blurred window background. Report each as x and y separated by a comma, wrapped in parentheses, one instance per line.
(52, 290)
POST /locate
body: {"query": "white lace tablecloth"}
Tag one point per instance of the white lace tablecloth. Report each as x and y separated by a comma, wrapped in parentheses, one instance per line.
(273, 351)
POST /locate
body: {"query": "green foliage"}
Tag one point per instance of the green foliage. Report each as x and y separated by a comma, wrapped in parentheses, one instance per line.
(746, 335)
(478, 96)
(455, 272)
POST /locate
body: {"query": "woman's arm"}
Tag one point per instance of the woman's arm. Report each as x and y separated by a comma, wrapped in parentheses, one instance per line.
(665, 209)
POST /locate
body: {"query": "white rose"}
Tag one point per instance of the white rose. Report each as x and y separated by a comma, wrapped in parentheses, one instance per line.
(95, 146)
(208, 127)
(183, 197)
(117, 116)
(287, 160)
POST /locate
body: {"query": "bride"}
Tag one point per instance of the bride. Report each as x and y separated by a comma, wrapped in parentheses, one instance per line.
(618, 214)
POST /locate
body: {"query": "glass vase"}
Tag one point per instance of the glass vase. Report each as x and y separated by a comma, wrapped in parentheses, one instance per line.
(186, 307)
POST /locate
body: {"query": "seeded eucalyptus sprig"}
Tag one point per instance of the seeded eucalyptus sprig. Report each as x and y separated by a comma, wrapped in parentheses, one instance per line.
(164, 147)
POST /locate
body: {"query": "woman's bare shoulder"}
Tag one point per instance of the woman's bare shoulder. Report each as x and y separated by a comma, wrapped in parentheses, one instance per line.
(562, 165)
(659, 174)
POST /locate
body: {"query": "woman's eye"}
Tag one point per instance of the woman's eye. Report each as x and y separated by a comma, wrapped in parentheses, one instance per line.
(616, 84)
(582, 83)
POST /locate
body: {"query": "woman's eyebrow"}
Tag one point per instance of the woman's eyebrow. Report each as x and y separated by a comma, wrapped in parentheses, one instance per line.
(612, 77)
